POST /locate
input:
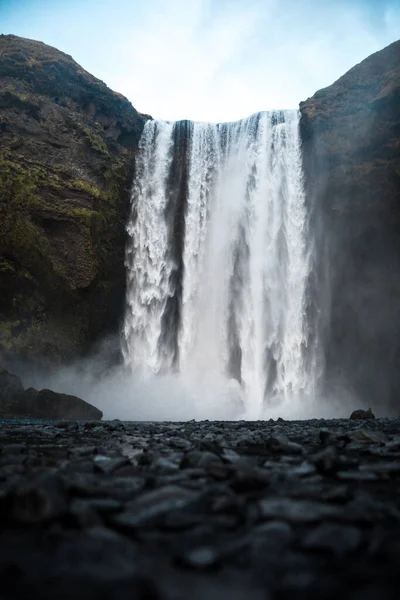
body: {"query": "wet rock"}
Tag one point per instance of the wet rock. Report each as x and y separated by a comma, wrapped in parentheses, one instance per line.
(282, 444)
(179, 443)
(327, 460)
(83, 451)
(362, 415)
(332, 537)
(204, 557)
(125, 488)
(46, 404)
(202, 459)
(104, 534)
(288, 522)
(230, 456)
(90, 425)
(151, 506)
(356, 476)
(329, 437)
(39, 500)
(247, 480)
(88, 512)
(180, 520)
(365, 435)
(83, 515)
(273, 536)
(108, 465)
(13, 449)
(305, 469)
(339, 494)
(296, 511)
(168, 464)
(381, 468)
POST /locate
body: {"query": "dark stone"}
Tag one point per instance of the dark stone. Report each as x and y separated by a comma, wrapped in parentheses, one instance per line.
(39, 500)
(281, 444)
(14, 449)
(366, 436)
(202, 459)
(46, 404)
(204, 557)
(74, 528)
(362, 414)
(154, 505)
(247, 480)
(108, 465)
(274, 536)
(327, 460)
(296, 511)
(336, 538)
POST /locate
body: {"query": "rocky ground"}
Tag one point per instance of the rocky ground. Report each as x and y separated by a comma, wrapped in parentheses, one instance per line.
(234, 510)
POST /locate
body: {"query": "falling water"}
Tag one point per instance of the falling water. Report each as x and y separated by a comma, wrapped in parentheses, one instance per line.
(237, 269)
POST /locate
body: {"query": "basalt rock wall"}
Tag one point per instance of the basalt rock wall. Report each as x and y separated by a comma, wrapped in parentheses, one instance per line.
(68, 145)
(351, 149)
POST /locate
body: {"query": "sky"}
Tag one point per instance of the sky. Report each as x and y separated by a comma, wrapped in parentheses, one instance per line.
(210, 60)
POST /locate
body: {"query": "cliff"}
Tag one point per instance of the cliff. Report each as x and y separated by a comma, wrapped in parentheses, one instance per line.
(66, 164)
(351, 150)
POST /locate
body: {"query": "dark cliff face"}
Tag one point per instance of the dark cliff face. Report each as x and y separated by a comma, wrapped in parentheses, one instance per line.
(66, 163)
(351, 149)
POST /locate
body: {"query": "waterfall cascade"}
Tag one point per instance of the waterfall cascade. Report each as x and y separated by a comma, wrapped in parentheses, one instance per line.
(219, 258)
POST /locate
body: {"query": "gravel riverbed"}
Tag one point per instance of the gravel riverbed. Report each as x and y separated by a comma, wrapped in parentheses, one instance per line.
(200, 510)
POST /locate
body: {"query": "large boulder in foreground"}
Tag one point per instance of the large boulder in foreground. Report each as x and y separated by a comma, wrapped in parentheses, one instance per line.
(46, 404)
(68, 145)
(351, 148)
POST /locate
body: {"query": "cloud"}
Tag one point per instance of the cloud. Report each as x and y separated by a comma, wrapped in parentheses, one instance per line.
(189, 60)
(207, 59)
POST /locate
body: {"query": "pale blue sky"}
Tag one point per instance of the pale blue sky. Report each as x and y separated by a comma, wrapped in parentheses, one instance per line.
(213, 60)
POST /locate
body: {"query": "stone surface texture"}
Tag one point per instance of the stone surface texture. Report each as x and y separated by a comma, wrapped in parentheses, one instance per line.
(202, 510)
(67, 153)
(351, 149)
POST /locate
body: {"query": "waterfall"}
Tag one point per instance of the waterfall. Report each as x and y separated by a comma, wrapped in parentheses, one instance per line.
(218, 258)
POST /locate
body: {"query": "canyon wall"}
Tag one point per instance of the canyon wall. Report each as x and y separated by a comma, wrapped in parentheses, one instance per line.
(67, 153)
(351, 151)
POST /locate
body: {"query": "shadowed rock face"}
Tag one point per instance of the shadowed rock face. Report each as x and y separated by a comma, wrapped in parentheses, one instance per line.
(46, 404)
(43, 404)
(351, 145)
(66, 164)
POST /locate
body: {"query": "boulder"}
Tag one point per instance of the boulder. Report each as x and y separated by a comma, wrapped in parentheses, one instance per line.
(46, 404)
(362, 414)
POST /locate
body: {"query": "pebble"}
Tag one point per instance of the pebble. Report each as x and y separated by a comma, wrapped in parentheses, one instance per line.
(333, 537)
(200, 509)
(294, 510)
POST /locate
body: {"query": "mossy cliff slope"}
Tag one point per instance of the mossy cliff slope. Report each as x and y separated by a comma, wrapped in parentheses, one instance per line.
(351, 149)
(66, 162)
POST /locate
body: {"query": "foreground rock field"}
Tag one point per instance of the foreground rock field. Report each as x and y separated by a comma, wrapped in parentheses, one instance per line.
(200, 510)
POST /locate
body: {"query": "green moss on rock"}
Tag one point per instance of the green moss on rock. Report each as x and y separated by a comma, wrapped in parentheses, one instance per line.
(66, 166)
